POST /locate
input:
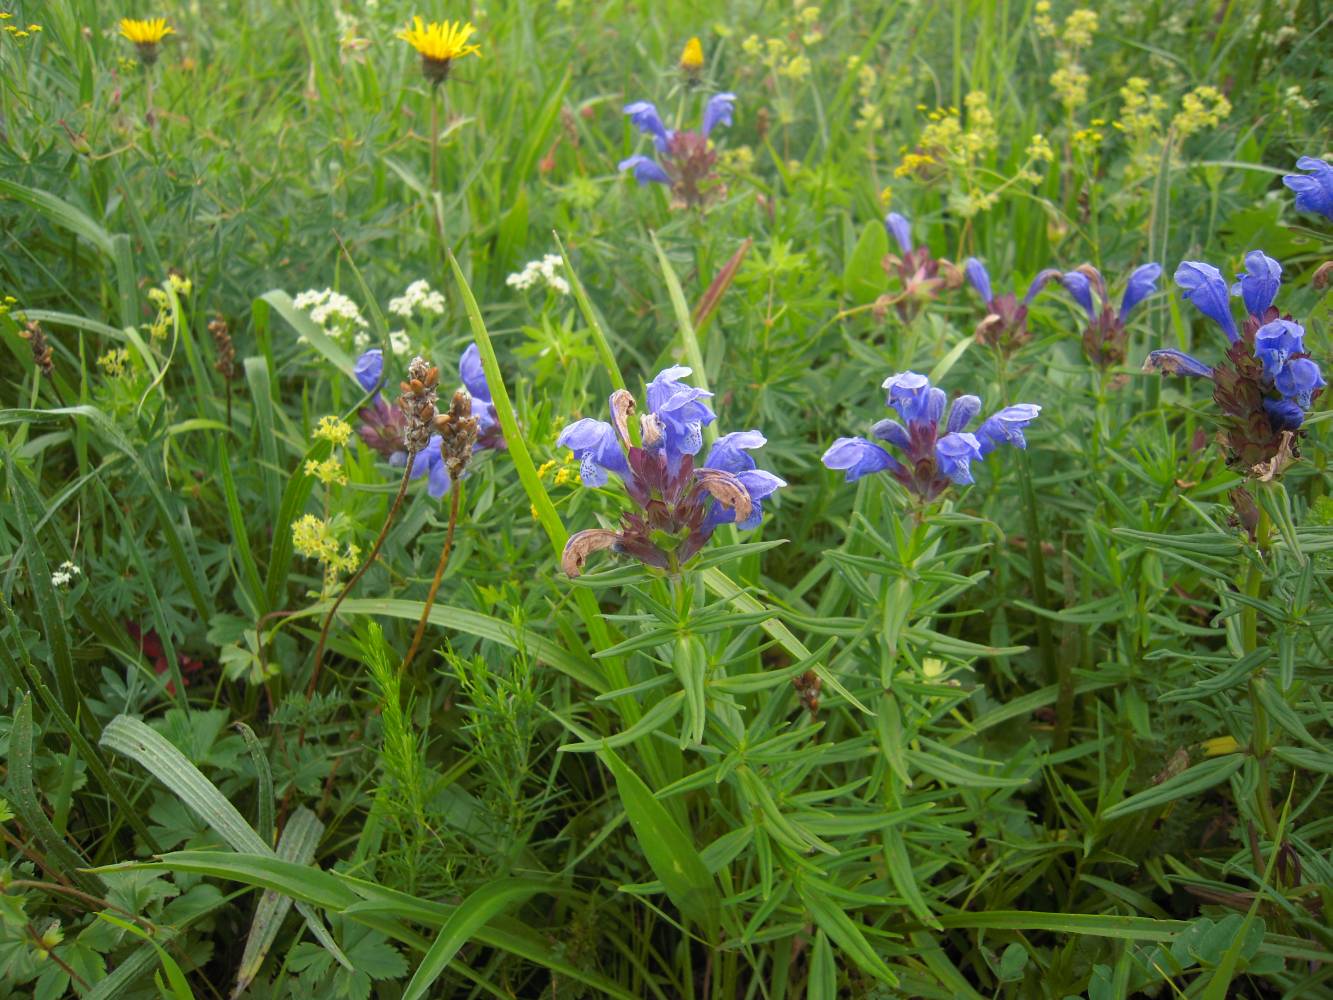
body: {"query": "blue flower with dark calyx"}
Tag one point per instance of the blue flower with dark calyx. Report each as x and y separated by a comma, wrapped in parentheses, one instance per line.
(597, 448)
(369, 369)
(1284, 414)
(1006, 427)
(646, 170)
(1105, 337)
(473, 376)
(1142, 283)
(1169, 361)
(1314, 190)
(858, 457)
(718, 111)
(1205, 287)
(1258, 284)
(1298, 381)
(643, 115)
(937, 450)
(677, 504)
(1005, 324)
(677, 412)
(900, 229)
(1277, 341)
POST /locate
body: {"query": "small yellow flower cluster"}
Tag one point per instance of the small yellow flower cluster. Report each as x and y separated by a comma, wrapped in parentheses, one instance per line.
(1087, 140)
(1039, 149)
(179, 284)
(784, 54)
(738, 160)
(1070, 83)
(1070, 79)
(1140, 112)
(334, 430)
(913, 163)
(1203, 107)
(16, 32)
(564, 471)
(328, 472)
(114, 362)
(6, 304)
(314, 538)
(869, 117)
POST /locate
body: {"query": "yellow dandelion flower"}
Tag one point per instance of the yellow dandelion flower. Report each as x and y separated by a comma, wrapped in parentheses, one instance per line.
(439, 44)
(692, 58)
(146, 35)
(333, 430)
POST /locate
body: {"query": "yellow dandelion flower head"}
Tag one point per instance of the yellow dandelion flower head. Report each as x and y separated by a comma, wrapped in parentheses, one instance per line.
(146, 32)
(440, 43)
(692, 57)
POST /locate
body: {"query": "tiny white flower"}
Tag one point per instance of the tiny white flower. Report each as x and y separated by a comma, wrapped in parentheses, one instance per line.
(65, 574)
(399, 342)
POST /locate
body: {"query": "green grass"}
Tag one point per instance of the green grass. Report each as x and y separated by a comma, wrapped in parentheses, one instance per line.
(1059, 733)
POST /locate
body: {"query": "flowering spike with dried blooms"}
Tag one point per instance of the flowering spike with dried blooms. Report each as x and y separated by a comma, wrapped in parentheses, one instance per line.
(41, 350)
(922, 275)
(225, 365)
(678, 503)
(1267, 381)
(685, 159)
(936, 449)
(1005, 324)
(383, 427)
(146, 35)
(458, 434)
(439, 44)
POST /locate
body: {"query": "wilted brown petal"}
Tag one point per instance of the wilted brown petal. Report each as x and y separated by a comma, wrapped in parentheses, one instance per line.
(583, 544)
(1266, 472)
(726, 489)
(622, 405)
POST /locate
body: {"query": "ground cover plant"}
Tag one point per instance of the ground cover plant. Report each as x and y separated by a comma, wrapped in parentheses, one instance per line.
(670, 500)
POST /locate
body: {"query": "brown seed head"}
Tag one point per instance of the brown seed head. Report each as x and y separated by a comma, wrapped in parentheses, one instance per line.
(226, 362)
(41, 350)
(458, 434)
(418, 403)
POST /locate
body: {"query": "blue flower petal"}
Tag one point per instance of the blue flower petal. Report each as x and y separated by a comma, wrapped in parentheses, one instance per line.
(718, 111)
(979, 277)
(1259, 282)
(1205, 287)
(954, 454)
(1277, 341)
(646, 170)
(1314, 192)
(473, 374)
(1142, 283)
(900, 229)
(1077, 284)
(369, 368)
(858, 457)
(1169, 361)
(644, 116)
(1006, 427)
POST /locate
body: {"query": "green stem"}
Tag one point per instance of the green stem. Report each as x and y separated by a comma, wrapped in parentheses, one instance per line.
(1259, 739)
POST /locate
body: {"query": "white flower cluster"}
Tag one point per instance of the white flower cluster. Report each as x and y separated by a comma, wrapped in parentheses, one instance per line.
(543, 270)
(333, 311)
(418, 297)
(65, 574)
(399, 342)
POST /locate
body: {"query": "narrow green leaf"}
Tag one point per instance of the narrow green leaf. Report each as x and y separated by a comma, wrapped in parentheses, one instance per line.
(1191, 781)
(472, 913)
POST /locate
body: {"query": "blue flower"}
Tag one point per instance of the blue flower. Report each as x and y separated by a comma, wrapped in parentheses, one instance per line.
(644, 116)
(1076, 283)
(1258, 283)
(473, 375)
(1298, 381)
(730, 454)
(597, 447)
(978, 276)
(1314, 192)
(859, 457)
(718, 111)
(646, 170)
(1277, 341)
(1169, 361)
(1205, 287)
(914, 398)
(954, 453)
(430, 463)
(1284, 414)
(1142, 283)
(680, 411)
(369, 369)
(935, 455)
(900, 229)
(1006, 427)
